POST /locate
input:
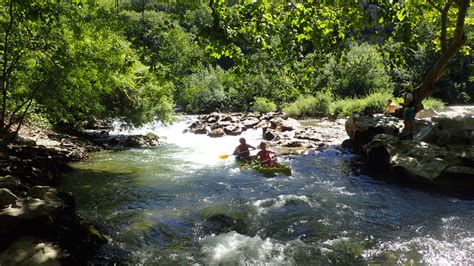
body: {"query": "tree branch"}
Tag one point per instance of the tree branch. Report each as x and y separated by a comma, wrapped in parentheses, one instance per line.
(5, 64)
(444, 23)
(435, 6)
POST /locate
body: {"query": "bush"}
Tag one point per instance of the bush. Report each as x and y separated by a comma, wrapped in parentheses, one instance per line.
(347, 106)
(307, 105)
(203, 92)
(434, 103)
(357, 73)
(264, 105)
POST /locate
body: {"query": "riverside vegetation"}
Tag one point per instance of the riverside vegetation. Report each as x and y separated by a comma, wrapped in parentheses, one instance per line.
(66, 64)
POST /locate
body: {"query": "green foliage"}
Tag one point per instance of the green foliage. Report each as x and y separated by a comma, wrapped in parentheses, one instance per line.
(132, 60)
(347, 106)
(308, 105)
(358, 72)
(264, 105)
(434, 103)
(203, 92)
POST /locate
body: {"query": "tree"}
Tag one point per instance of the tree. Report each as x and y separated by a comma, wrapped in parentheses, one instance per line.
(30, 31)
(449, 48)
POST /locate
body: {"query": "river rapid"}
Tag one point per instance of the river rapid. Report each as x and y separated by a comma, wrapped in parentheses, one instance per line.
(180, 204)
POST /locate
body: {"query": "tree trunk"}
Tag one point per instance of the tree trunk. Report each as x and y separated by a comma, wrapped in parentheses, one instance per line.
(459, 39)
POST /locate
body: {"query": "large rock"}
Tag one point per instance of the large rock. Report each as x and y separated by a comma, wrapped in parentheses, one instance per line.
(7, 197)
(199, 129)
(426, 113)
(42, 206)
(283, 125)
(362, 128)
(419, 160)
(458, 121)
(217, 132)
(250, 122)
(10, 182)
(233, 130)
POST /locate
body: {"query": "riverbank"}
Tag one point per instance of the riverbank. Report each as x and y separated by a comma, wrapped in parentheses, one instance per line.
(38, 222)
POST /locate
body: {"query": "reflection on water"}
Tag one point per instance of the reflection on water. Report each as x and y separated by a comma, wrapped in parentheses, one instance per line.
(180, 203)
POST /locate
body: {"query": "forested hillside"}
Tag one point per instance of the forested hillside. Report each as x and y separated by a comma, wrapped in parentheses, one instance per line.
(66, 62)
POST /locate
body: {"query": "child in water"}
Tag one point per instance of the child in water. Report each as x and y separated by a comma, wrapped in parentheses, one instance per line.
(264, 156)
(242, 151)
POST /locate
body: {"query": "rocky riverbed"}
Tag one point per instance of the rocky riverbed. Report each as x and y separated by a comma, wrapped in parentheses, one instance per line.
(283, 134)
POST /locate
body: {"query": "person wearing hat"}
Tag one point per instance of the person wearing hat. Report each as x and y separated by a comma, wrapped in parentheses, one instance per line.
(409, 112)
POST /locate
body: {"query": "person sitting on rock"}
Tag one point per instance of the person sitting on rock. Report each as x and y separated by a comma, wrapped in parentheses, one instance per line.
(264, 156)
(390, 108)
(242, 151)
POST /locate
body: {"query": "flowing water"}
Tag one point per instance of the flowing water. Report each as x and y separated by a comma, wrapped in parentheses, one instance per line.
(180, 204)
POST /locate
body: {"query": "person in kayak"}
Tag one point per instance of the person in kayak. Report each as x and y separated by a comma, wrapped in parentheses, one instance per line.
(264, 156)
(242, 151)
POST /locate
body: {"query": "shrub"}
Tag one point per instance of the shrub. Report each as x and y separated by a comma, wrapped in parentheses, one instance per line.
(347, 106)
(203, 92)
(358, 72)
(264, 105)
(307, 105)
(434, 103)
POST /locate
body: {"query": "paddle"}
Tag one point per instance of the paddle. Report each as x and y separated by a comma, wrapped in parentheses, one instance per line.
(225, 156)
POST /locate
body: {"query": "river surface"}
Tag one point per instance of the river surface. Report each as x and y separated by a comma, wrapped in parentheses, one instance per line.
(180, 204)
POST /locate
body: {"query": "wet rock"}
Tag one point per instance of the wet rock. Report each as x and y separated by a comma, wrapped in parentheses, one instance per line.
(97, 124)
(217, 132)
(199, 129)
(7, 197)
(113, 142)
(222, 223)
(270, 134)
(10, 182)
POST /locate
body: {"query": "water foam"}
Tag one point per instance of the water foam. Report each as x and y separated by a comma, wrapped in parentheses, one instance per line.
(236, 249)
(264, 205)
(428, 250)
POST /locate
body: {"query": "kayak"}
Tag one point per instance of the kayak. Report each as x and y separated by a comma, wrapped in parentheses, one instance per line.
(279, 168)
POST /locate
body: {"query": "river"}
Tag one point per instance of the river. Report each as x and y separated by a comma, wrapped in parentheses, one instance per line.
(180, 204)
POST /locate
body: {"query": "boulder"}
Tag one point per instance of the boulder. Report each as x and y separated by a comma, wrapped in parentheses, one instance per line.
(134, 142)
(199, 129)
(233, 130)
(270, 134)
(308, 133)
(10, 182)
(363, 128)
(283, 125)
(250, 122)
(221, 124)
(217, 132)
(412, 158)
(426, 113)
(459, 122)
(7, 197)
